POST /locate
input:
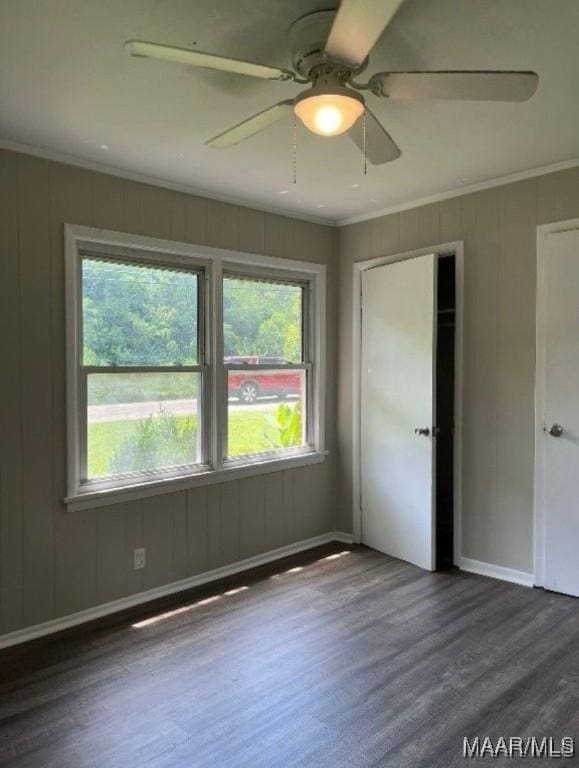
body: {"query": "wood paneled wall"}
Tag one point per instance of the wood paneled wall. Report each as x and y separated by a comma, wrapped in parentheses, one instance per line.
(54, 562)
(498, 227)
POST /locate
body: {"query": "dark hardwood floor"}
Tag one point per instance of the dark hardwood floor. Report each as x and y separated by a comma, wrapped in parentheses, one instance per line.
(360, 660)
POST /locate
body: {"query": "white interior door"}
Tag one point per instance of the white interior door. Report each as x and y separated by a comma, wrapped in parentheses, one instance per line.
(397, 398)
(560, 379)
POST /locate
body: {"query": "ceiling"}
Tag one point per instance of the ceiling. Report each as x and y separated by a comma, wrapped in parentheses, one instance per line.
(67, 86)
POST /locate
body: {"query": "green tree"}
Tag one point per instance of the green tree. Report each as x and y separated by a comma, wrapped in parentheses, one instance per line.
(262, 318)
(136, 315)
(147, 315)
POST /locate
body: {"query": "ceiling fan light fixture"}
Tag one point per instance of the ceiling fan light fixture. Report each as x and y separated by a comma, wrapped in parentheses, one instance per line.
(329, 113)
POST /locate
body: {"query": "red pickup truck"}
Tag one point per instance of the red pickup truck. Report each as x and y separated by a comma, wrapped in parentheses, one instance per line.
(251, 384)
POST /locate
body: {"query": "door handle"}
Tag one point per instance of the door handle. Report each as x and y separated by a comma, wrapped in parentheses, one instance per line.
(424, 431)
(556, 430)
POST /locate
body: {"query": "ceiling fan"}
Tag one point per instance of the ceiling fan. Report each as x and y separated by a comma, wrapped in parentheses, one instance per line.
(330, 49)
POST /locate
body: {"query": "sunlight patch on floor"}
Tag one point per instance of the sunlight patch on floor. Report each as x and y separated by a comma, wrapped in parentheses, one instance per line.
(229, 593)
(184, 608)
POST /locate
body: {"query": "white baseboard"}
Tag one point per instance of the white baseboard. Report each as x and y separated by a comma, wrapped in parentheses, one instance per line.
(345, 538)
(496, 572)
(64, 622)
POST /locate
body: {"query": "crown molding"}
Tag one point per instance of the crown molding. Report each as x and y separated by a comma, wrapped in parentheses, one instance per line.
(111, 170)
(499, 181)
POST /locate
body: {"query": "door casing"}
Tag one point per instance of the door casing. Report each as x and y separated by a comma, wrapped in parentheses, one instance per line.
(456, 249)
(543, 232)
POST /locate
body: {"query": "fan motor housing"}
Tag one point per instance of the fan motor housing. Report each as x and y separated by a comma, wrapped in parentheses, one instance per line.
(307, 41)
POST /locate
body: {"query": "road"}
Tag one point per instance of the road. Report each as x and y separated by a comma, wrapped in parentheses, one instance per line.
(128, 411)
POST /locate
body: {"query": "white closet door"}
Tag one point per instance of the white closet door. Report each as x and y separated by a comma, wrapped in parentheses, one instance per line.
(561, 411)
(397, 401)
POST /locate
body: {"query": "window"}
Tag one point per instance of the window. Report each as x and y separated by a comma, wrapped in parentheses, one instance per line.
(141, 376)
(266, 357)
(185, 363)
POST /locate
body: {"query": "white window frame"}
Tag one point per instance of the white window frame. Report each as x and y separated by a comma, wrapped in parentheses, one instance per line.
(214, 262)
(307, 365)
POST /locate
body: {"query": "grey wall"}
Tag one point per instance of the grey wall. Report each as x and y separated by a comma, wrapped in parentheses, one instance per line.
(53, 562)
(498, 227)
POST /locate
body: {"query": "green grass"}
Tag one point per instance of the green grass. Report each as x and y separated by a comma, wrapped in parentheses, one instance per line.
(249, 432)
(102, 436)
(105, 388)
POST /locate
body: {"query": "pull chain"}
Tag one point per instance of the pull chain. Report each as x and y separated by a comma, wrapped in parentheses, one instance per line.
(364, 143)
(295, 153)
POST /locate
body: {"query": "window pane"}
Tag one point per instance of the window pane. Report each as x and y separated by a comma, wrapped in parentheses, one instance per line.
(266, 411)
(262, 321)
(138, 422)
(138, 315)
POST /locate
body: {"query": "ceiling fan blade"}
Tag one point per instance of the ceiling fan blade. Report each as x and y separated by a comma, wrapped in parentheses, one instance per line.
(251, 126)
(144, 49)
(357, 27)
(380, 146)
(470, 86)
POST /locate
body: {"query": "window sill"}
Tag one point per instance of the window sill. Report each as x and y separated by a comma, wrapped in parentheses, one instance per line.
(91, 499)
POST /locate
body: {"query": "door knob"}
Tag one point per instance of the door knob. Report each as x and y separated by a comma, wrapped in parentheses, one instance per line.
(422, 431)
(556, 430)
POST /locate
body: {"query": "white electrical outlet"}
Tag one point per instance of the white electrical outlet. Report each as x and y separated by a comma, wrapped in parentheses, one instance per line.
(139, 558)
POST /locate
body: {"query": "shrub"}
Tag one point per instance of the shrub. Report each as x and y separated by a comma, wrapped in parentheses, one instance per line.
(288, 422)
(159, 440)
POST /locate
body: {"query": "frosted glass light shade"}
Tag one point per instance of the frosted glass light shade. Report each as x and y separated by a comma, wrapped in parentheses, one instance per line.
(329, 114)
